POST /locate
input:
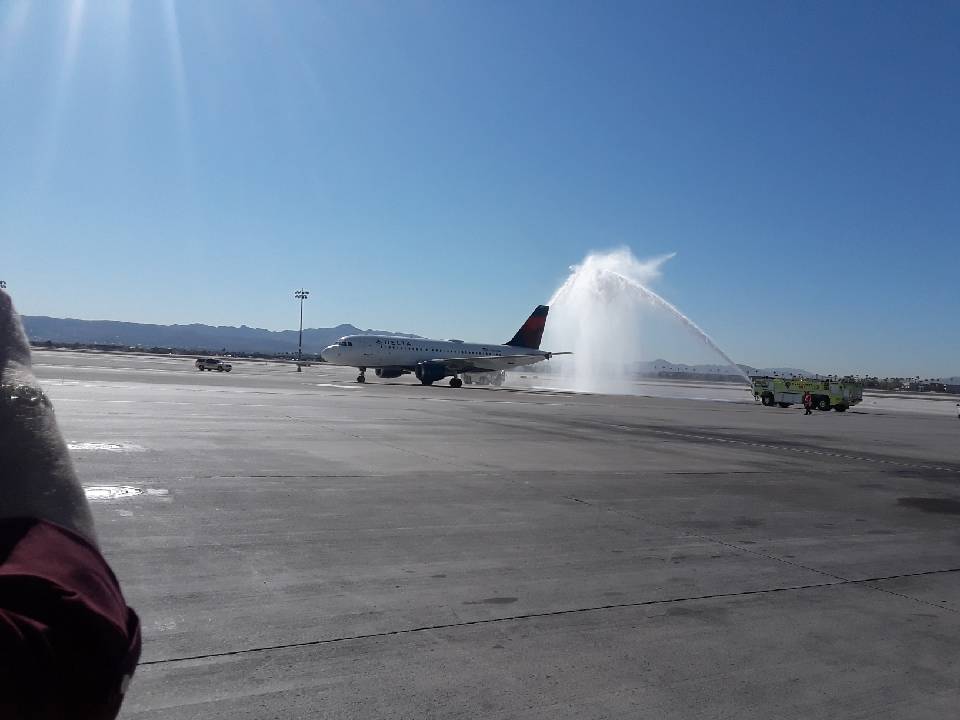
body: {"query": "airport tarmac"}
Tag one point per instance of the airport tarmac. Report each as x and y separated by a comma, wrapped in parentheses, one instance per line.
(300, 546)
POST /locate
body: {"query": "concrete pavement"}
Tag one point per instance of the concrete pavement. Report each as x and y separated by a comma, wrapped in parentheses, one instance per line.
(300, 546)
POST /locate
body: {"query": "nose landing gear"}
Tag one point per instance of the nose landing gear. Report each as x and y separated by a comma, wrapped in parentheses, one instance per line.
(456, 382)
(361, 378)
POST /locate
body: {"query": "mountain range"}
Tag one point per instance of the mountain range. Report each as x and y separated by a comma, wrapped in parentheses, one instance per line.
(244, 339)
(661, 366)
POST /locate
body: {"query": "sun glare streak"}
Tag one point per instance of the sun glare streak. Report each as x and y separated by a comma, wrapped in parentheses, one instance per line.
(68, 62)
(11, 27)
(123, 13)
(120, 68)
(123, 18)
(182, 100)
(74, 30)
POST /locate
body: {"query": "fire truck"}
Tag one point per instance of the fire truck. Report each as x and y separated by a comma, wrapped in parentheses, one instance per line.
(827, 394)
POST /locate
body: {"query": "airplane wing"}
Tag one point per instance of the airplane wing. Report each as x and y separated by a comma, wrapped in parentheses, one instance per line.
(490, 363)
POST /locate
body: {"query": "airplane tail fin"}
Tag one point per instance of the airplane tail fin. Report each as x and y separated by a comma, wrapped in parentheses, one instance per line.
(531, 333)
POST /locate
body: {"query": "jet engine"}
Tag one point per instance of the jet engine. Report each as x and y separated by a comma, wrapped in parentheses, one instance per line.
(428, 372)
(389, 372)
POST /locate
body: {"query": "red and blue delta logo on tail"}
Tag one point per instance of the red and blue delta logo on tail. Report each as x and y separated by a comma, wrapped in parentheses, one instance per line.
(531, 333)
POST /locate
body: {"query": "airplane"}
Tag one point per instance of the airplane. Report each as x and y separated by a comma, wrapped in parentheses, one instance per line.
(433, 360)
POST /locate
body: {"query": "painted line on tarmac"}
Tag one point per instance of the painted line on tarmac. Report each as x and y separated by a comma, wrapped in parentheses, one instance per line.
(159, 402)
(96, 493)
(105, 447)
(103, 368)
(536, 615)
(802, 451)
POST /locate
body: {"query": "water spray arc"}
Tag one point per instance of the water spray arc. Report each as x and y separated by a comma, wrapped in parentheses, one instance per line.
(597, 313)
(660, 302)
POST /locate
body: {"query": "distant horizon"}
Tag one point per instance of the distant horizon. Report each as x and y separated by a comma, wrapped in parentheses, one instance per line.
(442, 166)
(778, 368)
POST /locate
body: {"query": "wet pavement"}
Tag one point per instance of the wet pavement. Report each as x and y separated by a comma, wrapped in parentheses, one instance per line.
(299, 546)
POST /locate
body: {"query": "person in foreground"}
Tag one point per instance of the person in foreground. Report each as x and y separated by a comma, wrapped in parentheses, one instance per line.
(68, 641)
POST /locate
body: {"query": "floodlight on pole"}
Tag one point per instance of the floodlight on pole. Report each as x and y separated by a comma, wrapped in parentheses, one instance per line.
(301, 295)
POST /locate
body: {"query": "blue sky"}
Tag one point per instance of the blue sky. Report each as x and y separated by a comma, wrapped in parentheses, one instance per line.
(436, 167)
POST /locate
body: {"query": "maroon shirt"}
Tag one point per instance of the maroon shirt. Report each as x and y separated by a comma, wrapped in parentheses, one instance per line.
(68, 642)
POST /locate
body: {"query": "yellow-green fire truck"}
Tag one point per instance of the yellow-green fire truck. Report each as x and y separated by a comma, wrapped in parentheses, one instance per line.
(827, 394)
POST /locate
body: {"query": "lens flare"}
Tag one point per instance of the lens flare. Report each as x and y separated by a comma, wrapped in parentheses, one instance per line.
(53, 125)
(176, 63)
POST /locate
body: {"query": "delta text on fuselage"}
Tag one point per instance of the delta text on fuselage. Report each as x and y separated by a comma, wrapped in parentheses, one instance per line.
(432, 360)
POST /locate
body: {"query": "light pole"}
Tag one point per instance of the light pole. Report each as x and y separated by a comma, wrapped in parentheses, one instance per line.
(301, 295)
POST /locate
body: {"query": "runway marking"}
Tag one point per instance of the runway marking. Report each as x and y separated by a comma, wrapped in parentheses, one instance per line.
(544, 614)
(106, 447)
(225, 404)
(119, 492)
(295, 476)
(117, 402)
(489, 402)
(770, 446)
(709, 399)
(159, 402)
(339, 387)
(110, 492)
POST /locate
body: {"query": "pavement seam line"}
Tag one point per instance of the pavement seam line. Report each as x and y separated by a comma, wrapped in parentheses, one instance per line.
(775, 558)
(709, 539)
(735, 546)
(544, 614)
(770, 446)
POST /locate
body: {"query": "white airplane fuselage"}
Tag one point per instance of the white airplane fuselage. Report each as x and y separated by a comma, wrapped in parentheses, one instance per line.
(432, 360)
(382, 351)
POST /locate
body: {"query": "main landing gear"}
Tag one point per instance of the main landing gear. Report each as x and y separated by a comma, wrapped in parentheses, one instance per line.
(361, 378)
(456, 382)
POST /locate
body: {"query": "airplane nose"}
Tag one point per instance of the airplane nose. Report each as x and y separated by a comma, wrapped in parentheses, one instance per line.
(328, 353)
